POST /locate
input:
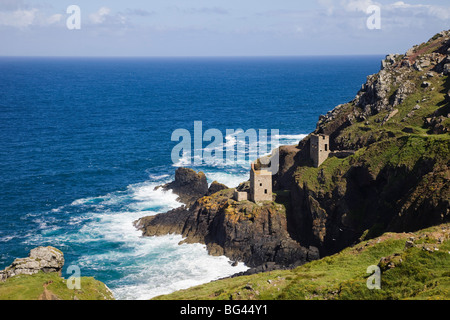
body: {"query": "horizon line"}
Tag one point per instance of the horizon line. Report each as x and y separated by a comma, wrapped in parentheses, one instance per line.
(196, 56)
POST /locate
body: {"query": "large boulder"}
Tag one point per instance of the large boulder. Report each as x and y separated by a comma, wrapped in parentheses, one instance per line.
(188, 185)
(46, 259)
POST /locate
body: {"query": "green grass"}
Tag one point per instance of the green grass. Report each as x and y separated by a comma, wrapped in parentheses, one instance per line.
(373, 129)
(420, 275)
(325, 177)
(405, 151)
(30, 287)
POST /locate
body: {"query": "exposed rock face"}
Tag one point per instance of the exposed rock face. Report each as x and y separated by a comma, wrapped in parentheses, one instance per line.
(215, 187)
(389, 88)
(188, 185)
(46, 259)
(242, 231)
(361, 201)
(436, 124)
(408, 188)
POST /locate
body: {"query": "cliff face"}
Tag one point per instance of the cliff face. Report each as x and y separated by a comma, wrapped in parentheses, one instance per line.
(401, 184)
(398, 178)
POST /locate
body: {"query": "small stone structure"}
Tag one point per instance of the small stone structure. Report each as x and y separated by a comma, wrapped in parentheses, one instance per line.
(261, 180)
(319, 148)
(260, 186)
(240, 195)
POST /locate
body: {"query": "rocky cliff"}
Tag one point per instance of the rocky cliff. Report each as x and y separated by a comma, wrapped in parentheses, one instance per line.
(190, 186)
(398, 178)
(243, 231)
(389, 172)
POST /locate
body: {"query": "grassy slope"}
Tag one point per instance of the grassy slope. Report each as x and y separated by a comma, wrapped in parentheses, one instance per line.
(30, 287)
(422, 274)
(392, 145)
(402, 151)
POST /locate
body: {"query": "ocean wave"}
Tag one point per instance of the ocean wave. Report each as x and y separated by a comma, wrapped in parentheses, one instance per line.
(6, 238)
(101, 239)
(173, 267)
(230, 179)
(291, 136)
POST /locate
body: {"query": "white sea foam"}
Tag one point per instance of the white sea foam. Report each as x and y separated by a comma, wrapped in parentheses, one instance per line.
(151, 265)
(144, 266)
(176, 267)
(6, 238)
(156, 177)
(230, 179)
(287, 139)
(146, 197)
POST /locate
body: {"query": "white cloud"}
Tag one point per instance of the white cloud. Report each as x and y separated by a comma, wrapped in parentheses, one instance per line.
(426, 10)
(18, 18)
(440, 12)
(54, 18)
(358, 5)
(100, 16)
(430, 10)
(24, 18)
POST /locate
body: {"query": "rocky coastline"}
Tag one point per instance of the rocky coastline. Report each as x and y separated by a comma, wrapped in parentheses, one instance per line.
(388, 172)
(255, 234)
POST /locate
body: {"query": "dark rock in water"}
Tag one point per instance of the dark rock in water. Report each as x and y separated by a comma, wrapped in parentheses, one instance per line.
(171, 222)
(188, 185)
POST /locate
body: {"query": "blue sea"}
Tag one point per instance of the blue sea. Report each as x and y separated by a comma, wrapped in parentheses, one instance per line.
(84, 142)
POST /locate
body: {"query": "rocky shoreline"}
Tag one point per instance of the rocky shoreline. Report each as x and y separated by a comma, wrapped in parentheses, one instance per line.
(255, 234)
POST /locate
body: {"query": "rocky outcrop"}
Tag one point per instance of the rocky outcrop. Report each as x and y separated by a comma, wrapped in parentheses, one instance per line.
(389, 88)
(337, 208)
(46, 259)
(188, 185)
(397, 178)
(436, 124)
(242, 231)
(215, 187)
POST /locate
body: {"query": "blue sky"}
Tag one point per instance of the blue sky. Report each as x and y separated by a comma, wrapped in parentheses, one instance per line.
(217, 27)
